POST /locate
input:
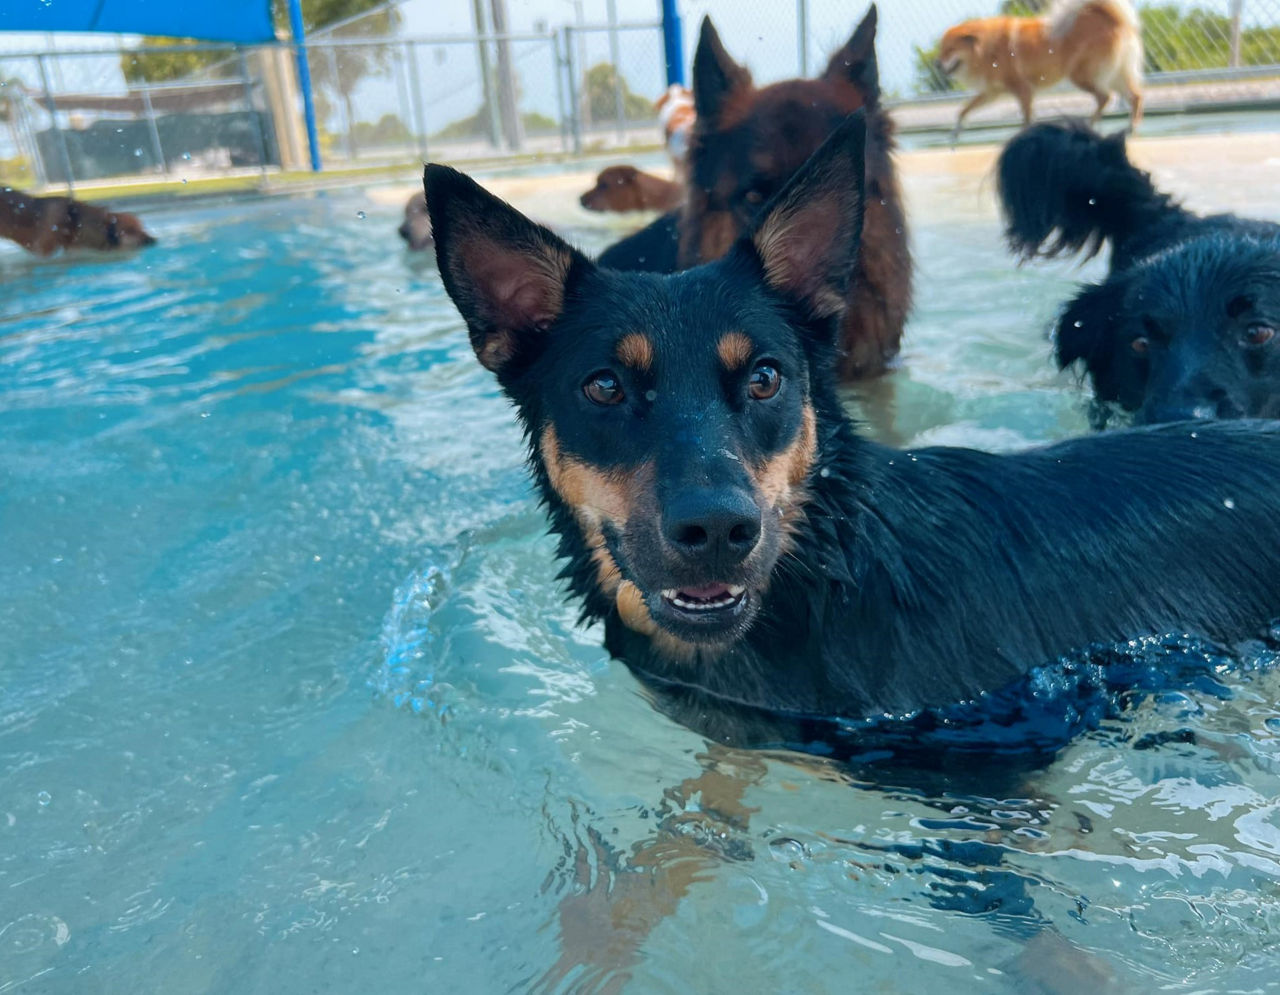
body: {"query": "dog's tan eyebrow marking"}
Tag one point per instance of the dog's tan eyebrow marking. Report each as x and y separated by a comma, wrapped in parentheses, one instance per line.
(635, 349)
(735, 350)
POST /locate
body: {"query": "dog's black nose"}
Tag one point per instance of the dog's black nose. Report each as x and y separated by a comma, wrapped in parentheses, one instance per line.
(721, 527)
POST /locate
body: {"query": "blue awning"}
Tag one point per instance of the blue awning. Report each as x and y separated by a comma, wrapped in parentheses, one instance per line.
(244, 21)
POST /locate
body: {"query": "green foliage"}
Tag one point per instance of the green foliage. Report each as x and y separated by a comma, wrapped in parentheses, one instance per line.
(1176, 38)
(16, 172)
(161, 67)
(929, 78)
(477, 125)
(389, 130)
(598, 94)
(352, 64)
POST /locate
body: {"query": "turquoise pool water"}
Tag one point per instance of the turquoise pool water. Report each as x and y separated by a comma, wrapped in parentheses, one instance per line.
(290, 700)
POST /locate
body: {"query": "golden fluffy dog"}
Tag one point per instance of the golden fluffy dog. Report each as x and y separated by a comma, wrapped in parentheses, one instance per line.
(45, 224)
(1096, 44)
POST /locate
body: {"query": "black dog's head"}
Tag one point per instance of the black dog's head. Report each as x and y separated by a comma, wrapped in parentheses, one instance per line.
(748, 142)
(671, 419)
(1187, 333)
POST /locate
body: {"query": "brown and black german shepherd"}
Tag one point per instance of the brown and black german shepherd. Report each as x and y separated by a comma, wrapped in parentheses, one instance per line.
(44, 225)
(748, 142)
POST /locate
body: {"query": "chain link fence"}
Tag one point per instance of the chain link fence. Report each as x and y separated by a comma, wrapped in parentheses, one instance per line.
(385, 94)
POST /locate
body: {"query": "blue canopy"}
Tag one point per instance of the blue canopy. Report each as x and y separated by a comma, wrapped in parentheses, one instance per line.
(244, 21)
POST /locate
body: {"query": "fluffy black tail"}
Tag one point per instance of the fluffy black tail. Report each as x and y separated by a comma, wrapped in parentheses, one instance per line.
(1064, 188)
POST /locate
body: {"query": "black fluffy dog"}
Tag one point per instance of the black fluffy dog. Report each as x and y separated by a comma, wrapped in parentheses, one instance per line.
(746, 548)
(1185, 324)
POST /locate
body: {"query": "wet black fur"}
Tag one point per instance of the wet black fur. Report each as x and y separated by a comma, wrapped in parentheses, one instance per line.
(918, 578)
(1065, 189)
(652, 249)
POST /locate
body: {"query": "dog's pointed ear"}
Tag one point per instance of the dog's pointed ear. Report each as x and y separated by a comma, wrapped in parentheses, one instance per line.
(715, 75)
(806, 239)
(1092, 330)
(856, 61)
(507, 276)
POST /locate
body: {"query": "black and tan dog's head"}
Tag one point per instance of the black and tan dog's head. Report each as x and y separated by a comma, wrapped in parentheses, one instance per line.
(1187, 333)
(671, 419)
(748, 141)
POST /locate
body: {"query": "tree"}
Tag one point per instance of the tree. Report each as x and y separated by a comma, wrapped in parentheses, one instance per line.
(161, 67)
(388, 130)
(340, 70)
(929, 78)
(157, 67)
(1177, 38)
(599, 95)
(477, 125)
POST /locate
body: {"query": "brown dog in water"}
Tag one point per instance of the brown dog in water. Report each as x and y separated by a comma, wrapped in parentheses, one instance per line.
(1097, 44)
(44, 225)
(747, 143)
(625, 188)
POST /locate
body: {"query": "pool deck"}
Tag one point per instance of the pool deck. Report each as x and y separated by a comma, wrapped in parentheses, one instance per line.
(1242, 175)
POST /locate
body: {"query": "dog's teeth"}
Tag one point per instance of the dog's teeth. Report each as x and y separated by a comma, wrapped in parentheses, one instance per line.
(735, 591)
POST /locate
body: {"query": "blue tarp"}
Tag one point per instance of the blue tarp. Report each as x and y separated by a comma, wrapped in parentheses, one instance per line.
(244, 21)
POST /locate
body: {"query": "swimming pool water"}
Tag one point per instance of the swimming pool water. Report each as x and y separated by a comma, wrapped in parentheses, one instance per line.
(290, 700)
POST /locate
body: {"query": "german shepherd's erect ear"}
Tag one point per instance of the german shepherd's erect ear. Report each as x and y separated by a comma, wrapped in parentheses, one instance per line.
(715, 76)
(507, 275)
(807, 237)
(856, 61)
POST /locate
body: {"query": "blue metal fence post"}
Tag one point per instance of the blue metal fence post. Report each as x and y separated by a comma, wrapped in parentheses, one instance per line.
(304, 80)
(672, 42)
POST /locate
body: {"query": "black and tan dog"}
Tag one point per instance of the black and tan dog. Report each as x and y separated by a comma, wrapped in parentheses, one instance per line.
(748, 142)
(745, 547)
(44, 225)
(1184, 325)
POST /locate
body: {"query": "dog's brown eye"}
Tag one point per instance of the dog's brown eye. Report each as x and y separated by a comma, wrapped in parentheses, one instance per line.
(1259, 335)
(603, 388)
(765, 381)
(1140, 345)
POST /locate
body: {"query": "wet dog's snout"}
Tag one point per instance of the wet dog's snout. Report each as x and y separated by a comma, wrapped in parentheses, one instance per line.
(714, 528)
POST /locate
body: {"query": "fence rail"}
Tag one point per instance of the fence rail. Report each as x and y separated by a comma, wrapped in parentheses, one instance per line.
(74, 116)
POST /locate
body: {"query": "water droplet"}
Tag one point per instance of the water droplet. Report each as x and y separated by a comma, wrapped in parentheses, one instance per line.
(187, 156)
(786, 849)
(137, 153)
(1195, 435)
(44, 798)
(1078, 323)
(184, 179)
(1228, 504)
(650, 396)
(361, 215)
(1093, 201)
(824, 472)
(1273, 724)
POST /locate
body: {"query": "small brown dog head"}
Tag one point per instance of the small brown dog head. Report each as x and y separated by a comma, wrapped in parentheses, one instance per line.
(125, 231)
(616, 189)
(86, 226)
(416, 227)
(958, 50)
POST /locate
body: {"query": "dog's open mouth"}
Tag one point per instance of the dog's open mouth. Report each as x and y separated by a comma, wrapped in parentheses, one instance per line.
(709, 599)
(708, 613)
